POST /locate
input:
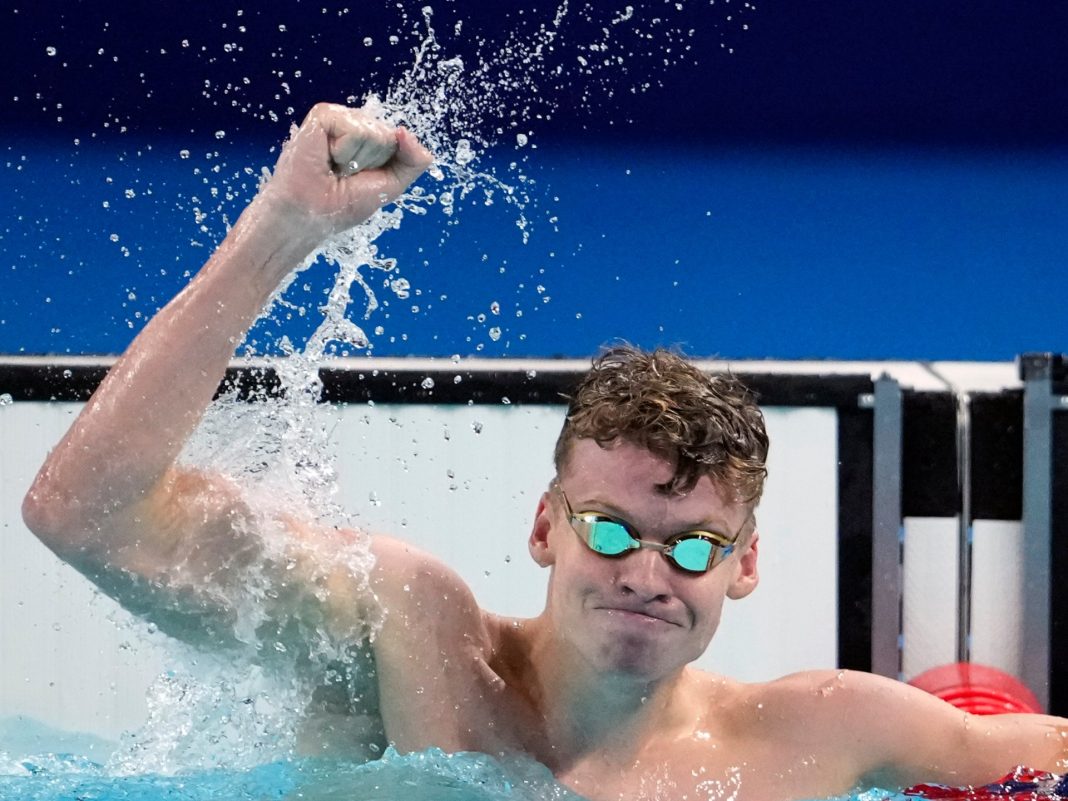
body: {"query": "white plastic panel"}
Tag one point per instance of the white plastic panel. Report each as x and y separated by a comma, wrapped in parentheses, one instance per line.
(929, 606)
(998, 591)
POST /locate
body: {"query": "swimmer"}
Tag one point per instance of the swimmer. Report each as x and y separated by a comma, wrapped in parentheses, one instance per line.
(647, 528)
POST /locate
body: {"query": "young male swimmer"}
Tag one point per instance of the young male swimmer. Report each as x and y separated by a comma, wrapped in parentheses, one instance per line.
(646, 529)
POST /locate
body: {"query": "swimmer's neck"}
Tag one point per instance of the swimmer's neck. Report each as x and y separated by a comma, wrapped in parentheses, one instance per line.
(585, 711)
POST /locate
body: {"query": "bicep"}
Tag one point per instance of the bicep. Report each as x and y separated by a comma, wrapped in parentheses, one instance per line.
(173, 557)
(922, 739)
(189, 527)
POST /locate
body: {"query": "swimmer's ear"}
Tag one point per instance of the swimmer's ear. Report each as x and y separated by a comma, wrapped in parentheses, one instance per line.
(538, 543)
(746, 576)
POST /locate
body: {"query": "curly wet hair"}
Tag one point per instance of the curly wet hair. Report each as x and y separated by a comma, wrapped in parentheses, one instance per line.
(708, 424)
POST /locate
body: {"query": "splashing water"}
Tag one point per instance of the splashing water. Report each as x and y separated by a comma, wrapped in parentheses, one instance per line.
(459, 111)
(278, 451)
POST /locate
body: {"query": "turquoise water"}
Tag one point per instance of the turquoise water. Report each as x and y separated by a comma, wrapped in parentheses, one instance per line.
(430, 775)
(427, 776)
(39, 763)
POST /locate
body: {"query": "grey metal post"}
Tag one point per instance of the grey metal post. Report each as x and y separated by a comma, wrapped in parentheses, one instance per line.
(964, 527)
(1036, 372)
(886, 529)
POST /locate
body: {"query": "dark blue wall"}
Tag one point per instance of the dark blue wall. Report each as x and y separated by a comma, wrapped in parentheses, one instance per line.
(834, 179)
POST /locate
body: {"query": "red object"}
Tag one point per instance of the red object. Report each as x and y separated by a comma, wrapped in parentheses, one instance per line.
(1023, 784)
(978, 689)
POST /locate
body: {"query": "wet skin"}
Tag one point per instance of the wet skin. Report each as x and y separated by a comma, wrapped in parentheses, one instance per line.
(598, 686)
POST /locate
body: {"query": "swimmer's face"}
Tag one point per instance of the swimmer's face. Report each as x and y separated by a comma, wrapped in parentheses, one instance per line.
(637, 615)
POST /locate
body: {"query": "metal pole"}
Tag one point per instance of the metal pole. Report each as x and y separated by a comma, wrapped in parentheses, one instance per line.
(964, 527)
(886, 529)
(1036, 372)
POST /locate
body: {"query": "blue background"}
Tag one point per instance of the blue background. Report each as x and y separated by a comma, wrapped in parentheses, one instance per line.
(835, 180)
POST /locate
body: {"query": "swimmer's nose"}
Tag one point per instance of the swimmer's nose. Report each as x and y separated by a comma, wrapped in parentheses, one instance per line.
(646, 574)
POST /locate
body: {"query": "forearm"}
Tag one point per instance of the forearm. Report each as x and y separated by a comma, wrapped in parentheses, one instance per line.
(1037, 741)
(109, 474)
(136, 423)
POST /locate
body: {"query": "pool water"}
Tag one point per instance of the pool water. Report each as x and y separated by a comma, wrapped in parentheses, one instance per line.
(430, 775)
(426, 776)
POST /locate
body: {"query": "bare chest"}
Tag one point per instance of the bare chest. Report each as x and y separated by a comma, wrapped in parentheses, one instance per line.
(708, 771)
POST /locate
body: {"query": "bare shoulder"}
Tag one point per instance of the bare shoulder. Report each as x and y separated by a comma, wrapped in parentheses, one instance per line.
(836, 716)
(422, 597)
(840, 705)
(433, 653)
(799, 694)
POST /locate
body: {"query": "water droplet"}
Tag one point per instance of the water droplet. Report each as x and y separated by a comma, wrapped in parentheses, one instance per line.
(476, 426)
(428, 383)
(464, 153)
(6, 400)
(495, 333)
(50, 50)
(183, 154)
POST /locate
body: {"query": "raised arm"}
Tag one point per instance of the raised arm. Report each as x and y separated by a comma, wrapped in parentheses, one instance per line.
(109, 499)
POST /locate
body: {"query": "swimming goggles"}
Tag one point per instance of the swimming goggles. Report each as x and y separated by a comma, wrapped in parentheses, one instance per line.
(691, 551)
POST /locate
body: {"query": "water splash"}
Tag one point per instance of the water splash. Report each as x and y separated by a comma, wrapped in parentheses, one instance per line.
(278, 451)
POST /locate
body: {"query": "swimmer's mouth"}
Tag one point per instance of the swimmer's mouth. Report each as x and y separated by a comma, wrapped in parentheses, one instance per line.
(637, 614)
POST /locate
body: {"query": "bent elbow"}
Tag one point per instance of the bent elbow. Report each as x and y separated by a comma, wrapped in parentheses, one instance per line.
(38, 514)
(51, 516)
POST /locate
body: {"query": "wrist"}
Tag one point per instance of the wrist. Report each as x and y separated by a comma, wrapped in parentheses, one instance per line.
(275, 238)
(261, 249)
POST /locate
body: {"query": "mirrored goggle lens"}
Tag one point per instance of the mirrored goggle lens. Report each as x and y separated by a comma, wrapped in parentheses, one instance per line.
(693, 554)
(607, 537)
